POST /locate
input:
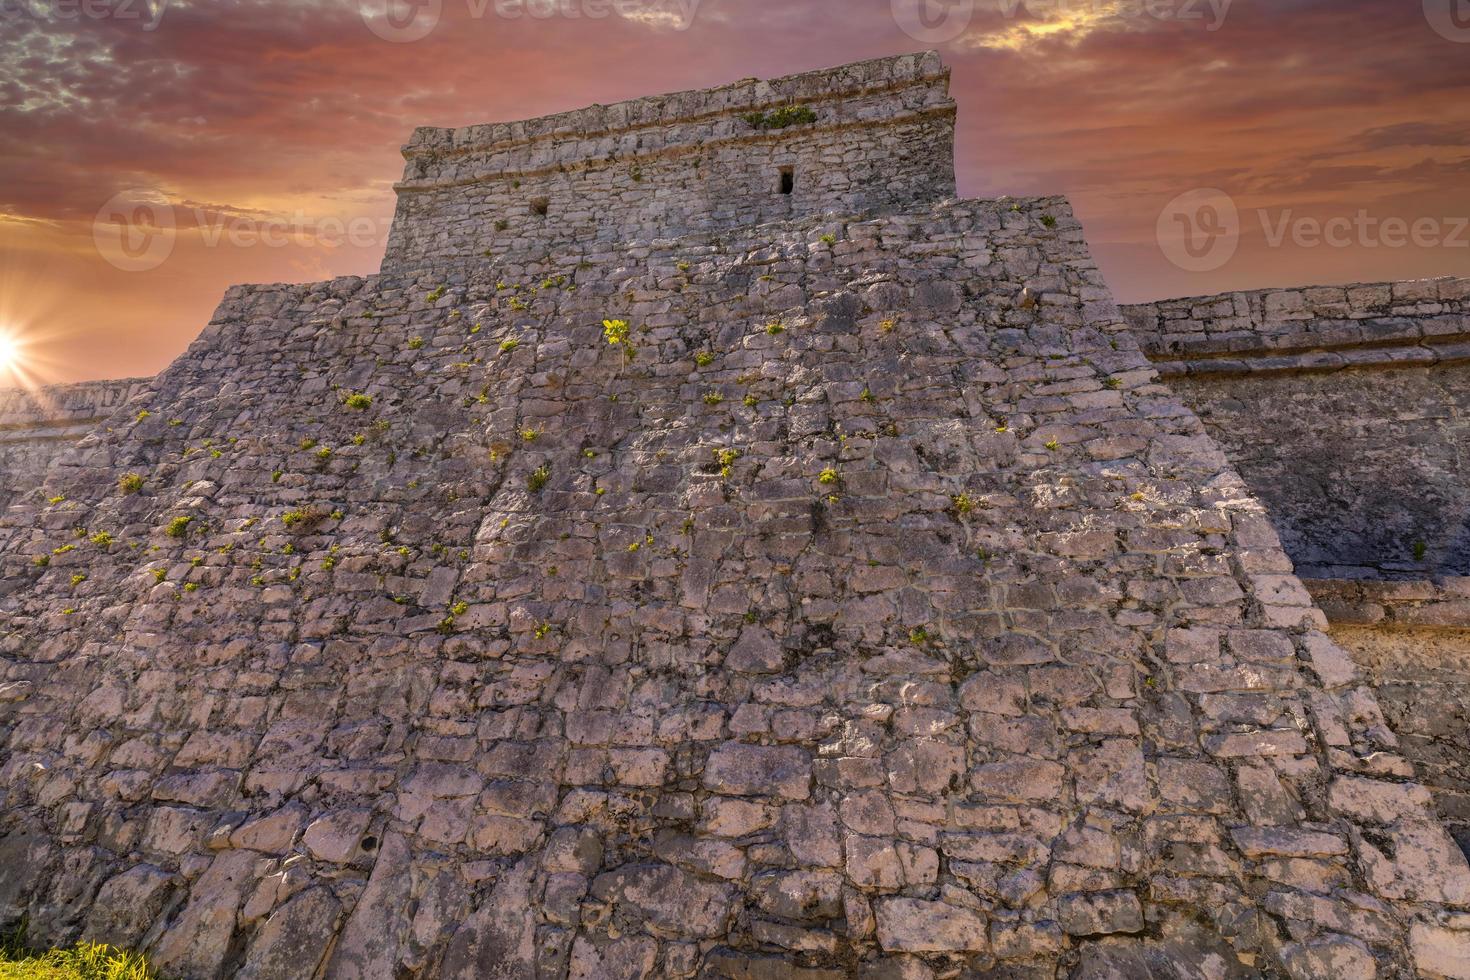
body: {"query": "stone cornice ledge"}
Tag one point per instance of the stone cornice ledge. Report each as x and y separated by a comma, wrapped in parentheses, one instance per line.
(1414, 604)
(1335, 346)
(868, 78)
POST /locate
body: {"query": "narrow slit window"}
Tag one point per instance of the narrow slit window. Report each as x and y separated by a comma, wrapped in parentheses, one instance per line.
(788, 180)
(539, 205)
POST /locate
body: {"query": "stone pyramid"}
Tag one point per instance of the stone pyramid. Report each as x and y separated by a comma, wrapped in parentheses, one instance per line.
(709, 549)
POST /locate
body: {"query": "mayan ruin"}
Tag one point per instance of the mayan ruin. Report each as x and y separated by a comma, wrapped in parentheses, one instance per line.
(710, 547)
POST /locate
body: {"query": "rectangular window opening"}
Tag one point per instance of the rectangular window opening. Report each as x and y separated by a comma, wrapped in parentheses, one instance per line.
(788, 180)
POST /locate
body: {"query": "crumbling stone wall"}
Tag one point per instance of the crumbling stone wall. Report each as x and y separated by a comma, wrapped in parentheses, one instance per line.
(882, 136)
(36, 425)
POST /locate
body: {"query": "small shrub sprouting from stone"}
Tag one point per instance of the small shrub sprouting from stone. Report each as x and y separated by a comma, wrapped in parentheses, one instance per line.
(41, 561)
(358, 401)
(726, 458)
(436, 295)
(538, 479)
(713, 398)
(1420, 550)
(704, 358)
(415, 342)
(529, 434)
(1052, 444)
(130, 483)
(1048, 221)
(307, 443)
(63, 549)
(919, 636)
(775, 327)
(509, 344)
(178, 527)
(616, 332)
(867, 397)
(159, 574)
(829, 239)
(298, 518)
(827, 477)
(887, 325)
(143, 413)
(1113, 384)
(324, 453)
(78, 579)
(53, 501)
(781, 117)
(501, 224)
(102, 539)
(543, 631)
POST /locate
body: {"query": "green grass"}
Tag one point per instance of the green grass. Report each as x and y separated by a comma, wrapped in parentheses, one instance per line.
(84, 961)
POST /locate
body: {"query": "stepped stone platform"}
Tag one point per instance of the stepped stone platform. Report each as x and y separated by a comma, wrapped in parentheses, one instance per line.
(868, 608)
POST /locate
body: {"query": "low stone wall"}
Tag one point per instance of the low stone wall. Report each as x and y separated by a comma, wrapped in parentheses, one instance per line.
(36, 425)
(1316, 328)
(1412, 640)
(881, 137)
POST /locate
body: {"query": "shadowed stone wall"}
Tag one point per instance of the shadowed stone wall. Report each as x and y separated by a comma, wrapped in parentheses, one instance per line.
(1345, 409)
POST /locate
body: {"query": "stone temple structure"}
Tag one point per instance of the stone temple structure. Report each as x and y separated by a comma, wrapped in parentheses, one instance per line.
(710, 549)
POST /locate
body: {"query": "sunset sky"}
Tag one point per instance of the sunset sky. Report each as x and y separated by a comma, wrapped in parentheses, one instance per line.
(289, 115)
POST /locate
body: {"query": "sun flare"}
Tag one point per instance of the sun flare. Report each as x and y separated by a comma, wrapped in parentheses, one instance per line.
(9, 352)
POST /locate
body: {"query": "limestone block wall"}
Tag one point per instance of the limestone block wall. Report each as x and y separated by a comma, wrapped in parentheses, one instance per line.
(878, 613)
(881, 137)
(36, 425)
(1345, 409)
(1413, 640)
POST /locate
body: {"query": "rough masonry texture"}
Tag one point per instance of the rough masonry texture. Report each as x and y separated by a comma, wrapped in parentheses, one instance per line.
(872, 610)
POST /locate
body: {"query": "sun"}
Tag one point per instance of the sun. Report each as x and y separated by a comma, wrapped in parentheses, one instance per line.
(9, 352)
